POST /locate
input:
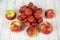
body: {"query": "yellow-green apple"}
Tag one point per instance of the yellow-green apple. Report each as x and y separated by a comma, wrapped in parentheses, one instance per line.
(10, 14)
(16, 26)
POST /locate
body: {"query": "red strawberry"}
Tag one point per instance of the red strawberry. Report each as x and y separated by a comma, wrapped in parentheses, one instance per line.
(19, 18)
(30, 18)
(34, 24)
(28, 11)
(27, 23)
(37, 14)
(22, 9)
(30, 4)
(40, 20)
(23, 16)
(34, 8)
(40, 9)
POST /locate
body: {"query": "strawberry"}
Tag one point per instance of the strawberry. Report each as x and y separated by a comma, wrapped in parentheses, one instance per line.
(28, 11)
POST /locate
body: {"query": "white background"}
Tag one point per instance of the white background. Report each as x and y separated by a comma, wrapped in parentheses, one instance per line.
(6, 34)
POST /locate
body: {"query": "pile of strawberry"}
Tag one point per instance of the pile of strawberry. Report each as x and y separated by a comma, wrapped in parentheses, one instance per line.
(30, 15)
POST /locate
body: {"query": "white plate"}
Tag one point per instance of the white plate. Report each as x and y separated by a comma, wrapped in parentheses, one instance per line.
(6, 34)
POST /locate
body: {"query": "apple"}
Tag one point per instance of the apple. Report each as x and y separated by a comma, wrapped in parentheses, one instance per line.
(28, 11)
(32, 31)
(10, 14)
(27, 24)
(16, 26)
(46, 28)
(30, 18)
(37, 14)
(22, 9)
(50, 14)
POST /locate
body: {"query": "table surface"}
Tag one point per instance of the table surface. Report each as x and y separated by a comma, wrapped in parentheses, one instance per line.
(6, 34)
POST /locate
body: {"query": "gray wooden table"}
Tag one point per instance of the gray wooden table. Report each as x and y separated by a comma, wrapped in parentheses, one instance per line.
(6, 34)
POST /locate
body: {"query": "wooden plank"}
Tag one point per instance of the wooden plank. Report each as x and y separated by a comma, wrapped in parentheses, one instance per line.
(3, 5)
(54, 34)
(16, 36)
(42, 4)
(57, 8)
(5, 34)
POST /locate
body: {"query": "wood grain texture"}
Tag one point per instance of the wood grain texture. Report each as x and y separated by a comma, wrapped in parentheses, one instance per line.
(6, 34)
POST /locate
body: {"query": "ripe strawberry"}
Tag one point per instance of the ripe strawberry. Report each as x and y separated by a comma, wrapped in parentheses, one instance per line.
(19, 18)
(30, 4)
(37, 14)
(34, 24)
(25, 20)
(40, 20)
(34, 8)
(27, 23)
(40, 9)
(23, 16)
(28, 11)
(22, 9)
(30, 18)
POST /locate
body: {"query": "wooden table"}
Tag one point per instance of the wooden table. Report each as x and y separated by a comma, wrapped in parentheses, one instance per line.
(6, 34)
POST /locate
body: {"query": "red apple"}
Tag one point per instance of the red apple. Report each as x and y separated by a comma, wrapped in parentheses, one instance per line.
(28, 11)
(32, 31)
(30, 18)
(37, 14)
(10, 14)
(46, 28)
(22, 9)
(50, 14)
(16, 26)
